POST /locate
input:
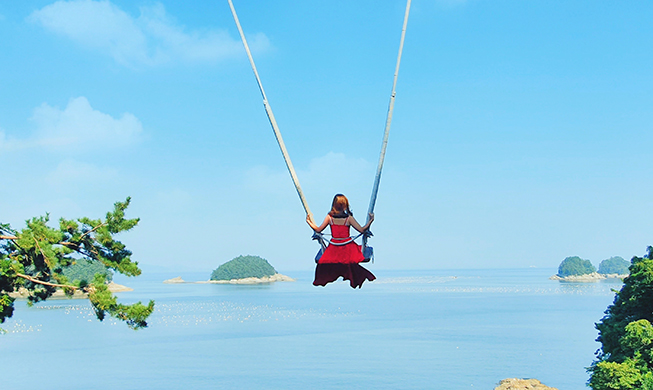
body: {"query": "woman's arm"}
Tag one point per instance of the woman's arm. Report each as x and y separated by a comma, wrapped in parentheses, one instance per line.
(357, 226)
(309, 220)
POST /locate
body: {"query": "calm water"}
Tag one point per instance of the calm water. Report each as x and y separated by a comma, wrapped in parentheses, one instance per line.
(443, 329)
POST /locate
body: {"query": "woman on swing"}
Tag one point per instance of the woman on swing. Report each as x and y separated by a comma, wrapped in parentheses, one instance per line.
(341, 260)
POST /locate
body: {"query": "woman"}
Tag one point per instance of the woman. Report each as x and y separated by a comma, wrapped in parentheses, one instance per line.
(341, 260)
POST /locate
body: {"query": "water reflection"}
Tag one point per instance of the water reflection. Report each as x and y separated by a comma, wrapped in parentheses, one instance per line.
(603, 287)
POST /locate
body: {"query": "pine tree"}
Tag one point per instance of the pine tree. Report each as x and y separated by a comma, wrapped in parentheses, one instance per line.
(625, 360)
(35, 257)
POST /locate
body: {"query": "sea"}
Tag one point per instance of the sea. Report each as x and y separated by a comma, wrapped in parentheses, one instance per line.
(429, 329)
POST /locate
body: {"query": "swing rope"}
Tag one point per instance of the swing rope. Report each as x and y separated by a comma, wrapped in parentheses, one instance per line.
(273, 122)
(388, 121)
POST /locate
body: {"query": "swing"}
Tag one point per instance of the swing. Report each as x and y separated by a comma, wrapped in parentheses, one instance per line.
(368, 251)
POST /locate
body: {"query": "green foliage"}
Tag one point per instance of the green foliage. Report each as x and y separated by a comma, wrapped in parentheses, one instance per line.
(104, 302)
(631, 304)
(614, 265)
(625, 360)
(42, 259)
(619, 376)
(243, 267)
(575, 266)
(637, 340)
(7, 282)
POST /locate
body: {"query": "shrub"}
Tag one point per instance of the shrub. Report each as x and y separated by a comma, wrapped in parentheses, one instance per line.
(619, 376)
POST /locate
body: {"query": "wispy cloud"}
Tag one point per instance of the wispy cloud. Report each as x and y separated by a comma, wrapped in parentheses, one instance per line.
(450, 3)
(8, 143)
(78, 125)
(152, 38)
(332, 167)
(72, 171)
(324, 177)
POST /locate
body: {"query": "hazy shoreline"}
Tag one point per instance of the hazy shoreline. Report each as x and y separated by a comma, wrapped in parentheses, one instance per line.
(22, 293)
(593, 277)
(263, 280)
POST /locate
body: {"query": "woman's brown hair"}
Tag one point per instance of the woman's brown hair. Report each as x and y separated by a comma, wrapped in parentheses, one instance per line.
(340, 205)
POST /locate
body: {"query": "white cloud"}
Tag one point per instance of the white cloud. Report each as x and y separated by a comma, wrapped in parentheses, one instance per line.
(5, 143)
(152, 38)
(337, 168)
(95, 24)
(78, 125)
(333, 168)
(321, 180)
(71, 171)
(337, 173)
(263, 179)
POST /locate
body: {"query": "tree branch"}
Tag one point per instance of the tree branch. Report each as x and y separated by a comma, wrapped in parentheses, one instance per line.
(31, 279)
(79, 250)
(47, 261)
(94, 229)
(12, 238)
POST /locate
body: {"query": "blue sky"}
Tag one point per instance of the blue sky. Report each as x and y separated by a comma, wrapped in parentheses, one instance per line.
(520, 135)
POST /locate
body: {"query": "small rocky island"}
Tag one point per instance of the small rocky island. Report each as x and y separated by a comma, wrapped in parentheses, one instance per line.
(522, 384)
(247, 270)
(242, 270)
(575, 269)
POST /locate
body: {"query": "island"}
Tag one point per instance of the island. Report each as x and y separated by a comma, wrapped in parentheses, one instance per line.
(23, 293)
(575, 269)
(522, 384)
(247, 270)
(83, 271)
(615, 265)
(241, 270)
(80, 273)
(178, 279)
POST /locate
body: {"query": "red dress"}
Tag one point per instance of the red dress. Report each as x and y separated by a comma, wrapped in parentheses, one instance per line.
(341, 260)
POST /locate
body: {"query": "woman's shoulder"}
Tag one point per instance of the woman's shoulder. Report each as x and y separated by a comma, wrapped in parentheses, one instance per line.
(339, 219)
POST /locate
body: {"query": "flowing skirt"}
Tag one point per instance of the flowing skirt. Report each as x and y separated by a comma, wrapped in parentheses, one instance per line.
(330, 272)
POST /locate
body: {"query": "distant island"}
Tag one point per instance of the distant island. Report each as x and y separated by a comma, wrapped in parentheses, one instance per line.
(575, 269)
(614, 265)
(243, 267)
(241, 270)
(82, 273)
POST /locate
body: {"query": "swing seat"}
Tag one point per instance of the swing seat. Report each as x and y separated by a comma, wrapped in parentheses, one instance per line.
(368, 254)
(319, 255)
(368, 251)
